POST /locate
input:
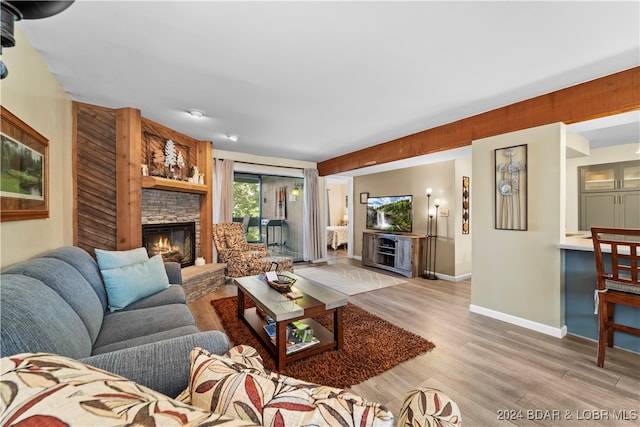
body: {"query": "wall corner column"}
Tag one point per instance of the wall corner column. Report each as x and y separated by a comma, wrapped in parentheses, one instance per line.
(205, 154)
(128, 179)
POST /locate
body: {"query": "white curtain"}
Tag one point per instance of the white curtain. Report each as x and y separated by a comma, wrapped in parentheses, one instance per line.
(312, 232)
(222, 191)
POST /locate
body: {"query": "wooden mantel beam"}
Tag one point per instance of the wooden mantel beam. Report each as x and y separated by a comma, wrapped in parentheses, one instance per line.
(613, 94)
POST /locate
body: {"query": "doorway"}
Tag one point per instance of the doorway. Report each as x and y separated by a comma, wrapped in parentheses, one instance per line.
(338, 212)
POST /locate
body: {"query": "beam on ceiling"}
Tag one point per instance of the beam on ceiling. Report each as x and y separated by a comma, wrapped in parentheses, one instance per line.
(605, 96)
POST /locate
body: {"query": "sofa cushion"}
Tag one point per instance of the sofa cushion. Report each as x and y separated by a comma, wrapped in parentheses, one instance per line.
(115, 259)
(161, 365)
(69, 284)
(132, 282)
(85, 264)
(122, 326)
(174, 294)
(227, 386)
(46, 389)
(146, 339)
(35, 318)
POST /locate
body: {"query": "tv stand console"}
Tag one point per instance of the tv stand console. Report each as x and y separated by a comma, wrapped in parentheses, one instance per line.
(401, 253)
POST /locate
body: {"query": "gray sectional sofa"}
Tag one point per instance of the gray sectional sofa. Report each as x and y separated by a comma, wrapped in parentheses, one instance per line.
(57, 303)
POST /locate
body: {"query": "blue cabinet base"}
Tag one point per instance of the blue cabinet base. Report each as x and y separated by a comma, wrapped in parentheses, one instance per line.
(580, 285)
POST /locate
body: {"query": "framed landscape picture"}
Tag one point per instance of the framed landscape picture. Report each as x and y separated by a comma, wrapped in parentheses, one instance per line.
(24, 170)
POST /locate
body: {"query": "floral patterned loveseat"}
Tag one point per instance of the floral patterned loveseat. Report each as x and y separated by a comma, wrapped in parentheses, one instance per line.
(230, 390)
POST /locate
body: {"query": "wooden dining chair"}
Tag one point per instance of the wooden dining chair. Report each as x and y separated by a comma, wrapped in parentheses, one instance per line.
(617, 280)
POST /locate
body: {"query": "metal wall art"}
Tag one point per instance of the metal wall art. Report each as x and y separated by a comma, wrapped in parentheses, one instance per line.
(511, 188)
(166, 158)
(466, 189)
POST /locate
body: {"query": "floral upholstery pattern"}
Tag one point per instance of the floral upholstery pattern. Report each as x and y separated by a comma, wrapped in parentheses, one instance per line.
(429, 407)
(242, 258)
(42, 389)
(237, 385)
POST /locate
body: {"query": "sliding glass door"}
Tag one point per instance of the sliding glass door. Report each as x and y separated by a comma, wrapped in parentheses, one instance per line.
(271, 208)
(246, 204)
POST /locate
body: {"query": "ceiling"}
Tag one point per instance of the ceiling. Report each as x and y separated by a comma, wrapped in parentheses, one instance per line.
(315, 80)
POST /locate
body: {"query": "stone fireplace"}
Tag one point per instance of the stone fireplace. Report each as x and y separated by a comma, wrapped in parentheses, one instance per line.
(162, 210)
(174, 241)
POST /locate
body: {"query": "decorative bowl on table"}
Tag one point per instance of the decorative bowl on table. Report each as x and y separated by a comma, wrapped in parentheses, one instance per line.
(282, 284)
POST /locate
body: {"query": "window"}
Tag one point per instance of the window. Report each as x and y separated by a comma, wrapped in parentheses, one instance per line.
(246, 201)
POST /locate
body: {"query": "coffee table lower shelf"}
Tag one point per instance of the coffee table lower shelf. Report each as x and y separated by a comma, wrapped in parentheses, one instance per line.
(327, 339)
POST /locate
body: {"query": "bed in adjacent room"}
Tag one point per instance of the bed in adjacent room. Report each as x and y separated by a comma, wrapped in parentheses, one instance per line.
(336, 236)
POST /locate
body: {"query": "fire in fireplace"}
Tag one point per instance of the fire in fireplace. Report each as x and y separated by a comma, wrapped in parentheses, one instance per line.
(175, 242)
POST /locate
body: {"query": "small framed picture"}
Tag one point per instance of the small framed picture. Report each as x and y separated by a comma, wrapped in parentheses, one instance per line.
(364, 197)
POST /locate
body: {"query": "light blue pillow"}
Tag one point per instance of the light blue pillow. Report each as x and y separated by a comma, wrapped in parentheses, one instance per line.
(130, 283)
(115, 259)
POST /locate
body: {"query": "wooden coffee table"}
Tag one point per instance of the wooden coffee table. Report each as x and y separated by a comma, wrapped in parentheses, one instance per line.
(316, 300)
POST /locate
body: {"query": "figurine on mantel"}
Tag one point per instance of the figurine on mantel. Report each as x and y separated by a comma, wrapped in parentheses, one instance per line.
(195, 175)
(180, 164)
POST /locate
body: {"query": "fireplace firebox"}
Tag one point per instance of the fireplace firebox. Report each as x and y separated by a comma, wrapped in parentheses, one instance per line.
(175, 241)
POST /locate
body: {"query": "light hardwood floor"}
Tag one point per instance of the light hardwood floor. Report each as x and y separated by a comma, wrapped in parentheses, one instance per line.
(492, 369)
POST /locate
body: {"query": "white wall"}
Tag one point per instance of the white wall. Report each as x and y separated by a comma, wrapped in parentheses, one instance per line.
(618, 153)
(441, 177)
(32, 93)
(516, 275)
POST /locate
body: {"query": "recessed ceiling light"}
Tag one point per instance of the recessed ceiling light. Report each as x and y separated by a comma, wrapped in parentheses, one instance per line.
(233, 137)
(196, 113)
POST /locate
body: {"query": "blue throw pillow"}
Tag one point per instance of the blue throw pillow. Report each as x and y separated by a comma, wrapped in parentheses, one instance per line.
(115, 259)
(130, 283)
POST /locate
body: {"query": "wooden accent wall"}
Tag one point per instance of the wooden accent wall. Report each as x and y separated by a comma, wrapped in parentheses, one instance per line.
(94, 159)
(108, 151)
(613, 94)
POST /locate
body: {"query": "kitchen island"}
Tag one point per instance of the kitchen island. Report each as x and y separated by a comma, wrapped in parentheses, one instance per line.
(580, 284)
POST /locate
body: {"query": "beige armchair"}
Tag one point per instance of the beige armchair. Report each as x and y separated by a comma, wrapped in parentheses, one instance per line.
(242, 258)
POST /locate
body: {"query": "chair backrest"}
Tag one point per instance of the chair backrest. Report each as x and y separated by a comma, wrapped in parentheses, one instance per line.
(228, 235)
(620, 272)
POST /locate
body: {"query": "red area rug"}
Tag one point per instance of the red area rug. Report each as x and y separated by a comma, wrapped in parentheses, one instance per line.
(371, 346)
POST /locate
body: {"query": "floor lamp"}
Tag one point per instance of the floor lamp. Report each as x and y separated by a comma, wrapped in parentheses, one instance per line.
(432, 237)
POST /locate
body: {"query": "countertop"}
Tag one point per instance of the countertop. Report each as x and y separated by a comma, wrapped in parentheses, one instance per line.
(579, 241)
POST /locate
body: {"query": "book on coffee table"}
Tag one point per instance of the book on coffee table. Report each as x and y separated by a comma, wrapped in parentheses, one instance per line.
(294, 342)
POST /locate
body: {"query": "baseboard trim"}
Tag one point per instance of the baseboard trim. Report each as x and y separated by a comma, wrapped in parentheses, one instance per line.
(453, 278)
(519, 321)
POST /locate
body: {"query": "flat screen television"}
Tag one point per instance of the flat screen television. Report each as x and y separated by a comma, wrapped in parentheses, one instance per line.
(392, 214)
